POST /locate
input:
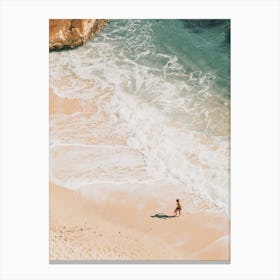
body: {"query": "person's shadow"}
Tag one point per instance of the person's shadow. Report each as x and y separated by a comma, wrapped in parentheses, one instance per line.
(162, 216)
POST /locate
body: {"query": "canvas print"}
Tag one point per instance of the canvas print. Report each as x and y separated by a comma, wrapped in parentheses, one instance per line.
(139, 140)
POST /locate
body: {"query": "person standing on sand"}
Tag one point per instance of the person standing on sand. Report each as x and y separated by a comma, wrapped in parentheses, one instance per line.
(178, 208)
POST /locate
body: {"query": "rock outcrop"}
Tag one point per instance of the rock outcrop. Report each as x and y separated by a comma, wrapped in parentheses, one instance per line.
(71, 33)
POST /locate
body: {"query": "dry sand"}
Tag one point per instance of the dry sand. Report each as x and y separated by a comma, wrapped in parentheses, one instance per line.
(117, 229)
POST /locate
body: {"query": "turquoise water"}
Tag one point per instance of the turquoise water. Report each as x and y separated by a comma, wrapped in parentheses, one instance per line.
(182, 69)
(167, 84)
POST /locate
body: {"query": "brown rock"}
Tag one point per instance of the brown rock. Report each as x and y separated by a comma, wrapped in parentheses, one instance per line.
(70, 33)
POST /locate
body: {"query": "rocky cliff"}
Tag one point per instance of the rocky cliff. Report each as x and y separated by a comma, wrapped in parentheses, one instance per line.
(71, 33)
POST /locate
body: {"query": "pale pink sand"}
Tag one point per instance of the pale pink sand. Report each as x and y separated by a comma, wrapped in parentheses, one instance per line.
(116, 229)
(121, 227)
(62, 106)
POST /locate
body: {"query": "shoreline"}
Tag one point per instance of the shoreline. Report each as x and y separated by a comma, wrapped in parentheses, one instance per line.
(126, 227)
(130, 140)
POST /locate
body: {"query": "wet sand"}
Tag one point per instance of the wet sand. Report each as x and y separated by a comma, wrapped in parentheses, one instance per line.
(129, 227)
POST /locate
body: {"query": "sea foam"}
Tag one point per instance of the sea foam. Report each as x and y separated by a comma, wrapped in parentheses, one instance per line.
(173, 121)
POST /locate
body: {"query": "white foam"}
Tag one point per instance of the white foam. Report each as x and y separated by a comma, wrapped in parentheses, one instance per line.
(154, 150)
(154, 106)
(159, 79)
(175, 153)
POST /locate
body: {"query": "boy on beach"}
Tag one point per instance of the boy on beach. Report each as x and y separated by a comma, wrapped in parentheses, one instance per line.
(178, 208)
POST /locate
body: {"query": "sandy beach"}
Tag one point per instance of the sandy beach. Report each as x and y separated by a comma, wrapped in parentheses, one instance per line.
(132, 224)
(132, 130)
(116, 229)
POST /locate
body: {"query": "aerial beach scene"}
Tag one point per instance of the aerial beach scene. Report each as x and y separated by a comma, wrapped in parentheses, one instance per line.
(139, 135)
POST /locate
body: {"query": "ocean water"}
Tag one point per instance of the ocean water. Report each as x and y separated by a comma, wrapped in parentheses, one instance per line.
(155, 99)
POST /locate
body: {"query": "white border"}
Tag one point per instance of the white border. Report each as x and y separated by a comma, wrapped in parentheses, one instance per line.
(255, 138)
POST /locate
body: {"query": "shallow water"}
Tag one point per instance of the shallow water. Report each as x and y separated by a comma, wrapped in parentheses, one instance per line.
(155, 99)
